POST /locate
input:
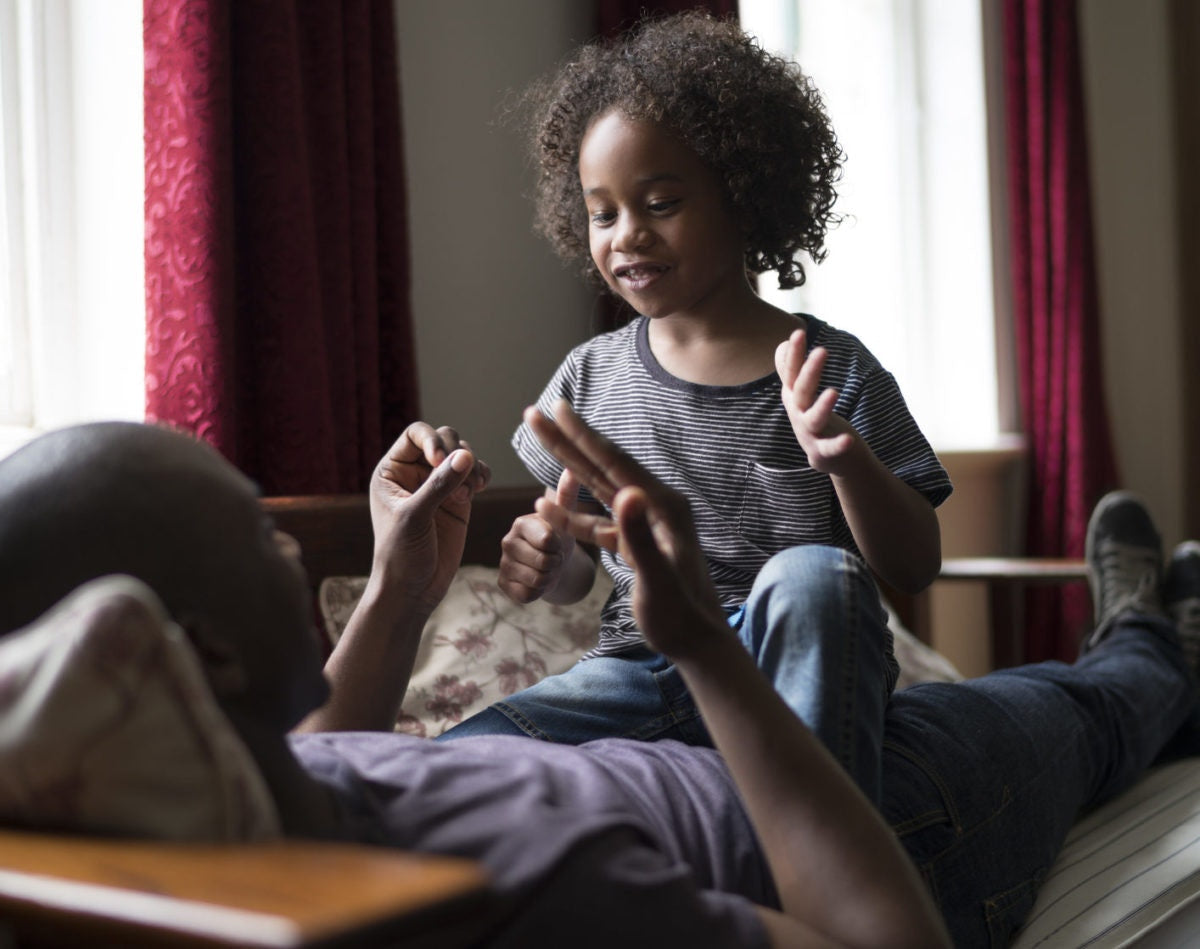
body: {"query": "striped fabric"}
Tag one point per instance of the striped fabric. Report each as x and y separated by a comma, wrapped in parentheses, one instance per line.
(731, 450)
(1127, 871)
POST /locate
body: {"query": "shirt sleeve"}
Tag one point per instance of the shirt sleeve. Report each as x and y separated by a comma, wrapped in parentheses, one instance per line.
(537, 460)
(881, 416)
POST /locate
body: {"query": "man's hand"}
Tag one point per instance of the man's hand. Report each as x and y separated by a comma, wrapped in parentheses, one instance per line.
(827, 439)
(421, 494)
(673, 598)
(839, 870)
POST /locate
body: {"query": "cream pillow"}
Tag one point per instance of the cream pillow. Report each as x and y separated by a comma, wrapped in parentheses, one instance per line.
(107, 725)
(478, 646)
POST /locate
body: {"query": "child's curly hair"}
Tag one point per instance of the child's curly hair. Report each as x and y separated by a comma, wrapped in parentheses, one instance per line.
(755, 118)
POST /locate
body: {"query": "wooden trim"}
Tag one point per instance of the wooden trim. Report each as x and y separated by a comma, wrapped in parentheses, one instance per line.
(335, 534)
(61, 890)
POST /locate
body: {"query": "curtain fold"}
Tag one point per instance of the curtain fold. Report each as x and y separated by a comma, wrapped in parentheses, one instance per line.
(1055, 307)
(278, 323)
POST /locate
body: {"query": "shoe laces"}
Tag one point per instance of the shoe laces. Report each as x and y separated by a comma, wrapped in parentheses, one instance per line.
(1128, 579)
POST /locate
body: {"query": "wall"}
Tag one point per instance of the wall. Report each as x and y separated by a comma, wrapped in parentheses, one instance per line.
(478, 271)
(1128, 86)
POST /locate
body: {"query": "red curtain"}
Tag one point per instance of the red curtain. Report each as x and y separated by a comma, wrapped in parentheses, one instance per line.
(1063, 408)
(278, 324)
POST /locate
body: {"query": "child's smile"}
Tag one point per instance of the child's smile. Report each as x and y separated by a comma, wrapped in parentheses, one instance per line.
(659, 230)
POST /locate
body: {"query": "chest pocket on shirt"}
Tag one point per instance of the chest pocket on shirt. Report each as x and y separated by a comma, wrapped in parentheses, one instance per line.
(786, 507)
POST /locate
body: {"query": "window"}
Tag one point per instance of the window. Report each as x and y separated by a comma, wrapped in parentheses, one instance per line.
(910, 267)
(72, 304)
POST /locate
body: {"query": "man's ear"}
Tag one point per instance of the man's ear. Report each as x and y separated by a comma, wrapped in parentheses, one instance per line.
(222, 662)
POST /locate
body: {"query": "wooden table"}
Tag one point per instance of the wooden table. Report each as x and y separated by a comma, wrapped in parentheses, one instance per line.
(60, 891)
(1007, 579)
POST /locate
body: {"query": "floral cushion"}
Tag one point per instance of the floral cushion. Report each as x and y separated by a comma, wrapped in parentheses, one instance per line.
(479, 646)
(107, 725)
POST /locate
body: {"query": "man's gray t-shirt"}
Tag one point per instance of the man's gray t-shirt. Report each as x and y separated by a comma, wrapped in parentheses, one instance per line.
(611, 842)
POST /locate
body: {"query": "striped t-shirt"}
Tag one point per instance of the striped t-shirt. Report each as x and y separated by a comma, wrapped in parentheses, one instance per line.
(731, 451)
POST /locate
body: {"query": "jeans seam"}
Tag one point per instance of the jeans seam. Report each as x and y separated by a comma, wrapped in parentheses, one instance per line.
(514, 715)
(934, 776)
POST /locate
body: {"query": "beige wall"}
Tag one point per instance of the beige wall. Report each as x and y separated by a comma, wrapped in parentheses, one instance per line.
(495, 312)
(1125, 49)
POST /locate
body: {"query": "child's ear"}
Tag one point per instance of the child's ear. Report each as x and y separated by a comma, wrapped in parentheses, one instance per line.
(222, 662)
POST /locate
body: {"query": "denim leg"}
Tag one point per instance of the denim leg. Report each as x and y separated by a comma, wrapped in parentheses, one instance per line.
(983, 779)
(815, 626)
(638, 694)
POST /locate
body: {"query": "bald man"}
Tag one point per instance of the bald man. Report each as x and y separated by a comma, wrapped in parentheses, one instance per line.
(762, 842)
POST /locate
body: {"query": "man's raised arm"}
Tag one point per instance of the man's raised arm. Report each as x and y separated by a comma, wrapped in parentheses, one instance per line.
(842, 877)
(420, 494)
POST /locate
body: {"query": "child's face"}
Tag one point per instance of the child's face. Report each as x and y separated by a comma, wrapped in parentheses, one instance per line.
(660, 231)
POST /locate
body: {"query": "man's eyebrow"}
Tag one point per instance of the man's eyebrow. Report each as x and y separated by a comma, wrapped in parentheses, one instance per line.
(648, 180)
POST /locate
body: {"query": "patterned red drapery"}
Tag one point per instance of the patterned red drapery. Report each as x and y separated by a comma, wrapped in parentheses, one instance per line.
(1055, 306)
(278, 324)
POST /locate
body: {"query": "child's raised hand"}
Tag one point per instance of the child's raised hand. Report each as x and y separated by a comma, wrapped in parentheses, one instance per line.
(535, 550)
(827, 438)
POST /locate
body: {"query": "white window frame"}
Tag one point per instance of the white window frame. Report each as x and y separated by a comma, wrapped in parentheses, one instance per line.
(910, 269)
(71, 234)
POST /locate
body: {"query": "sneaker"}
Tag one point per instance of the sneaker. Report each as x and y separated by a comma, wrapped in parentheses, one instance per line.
(1181, 597)
(1124, 559)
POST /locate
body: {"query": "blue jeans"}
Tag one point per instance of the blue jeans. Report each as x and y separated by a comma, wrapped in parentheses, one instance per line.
(983, 779)
(815, 626)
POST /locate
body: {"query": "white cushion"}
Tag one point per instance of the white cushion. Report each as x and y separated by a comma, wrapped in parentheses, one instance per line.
(479, 646)
(107, 725)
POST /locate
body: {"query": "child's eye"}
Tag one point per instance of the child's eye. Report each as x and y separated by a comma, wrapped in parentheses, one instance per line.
(602, 218)
(662, 207)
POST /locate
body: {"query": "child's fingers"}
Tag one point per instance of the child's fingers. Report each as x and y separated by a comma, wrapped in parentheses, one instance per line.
(782, 362)
(817, 416)
(808, 378)
(797, 354)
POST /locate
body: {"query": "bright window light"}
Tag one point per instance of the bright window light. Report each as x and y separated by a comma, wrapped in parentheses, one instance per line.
(910, 267)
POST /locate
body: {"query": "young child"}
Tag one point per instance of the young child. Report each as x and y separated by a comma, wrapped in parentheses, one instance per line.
(675, 162)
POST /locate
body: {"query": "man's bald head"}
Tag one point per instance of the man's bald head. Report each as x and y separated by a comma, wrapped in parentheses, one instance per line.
(122, 497)
(110, 497)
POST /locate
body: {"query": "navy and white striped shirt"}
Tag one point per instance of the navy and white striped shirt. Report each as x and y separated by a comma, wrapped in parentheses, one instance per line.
(731, 451)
